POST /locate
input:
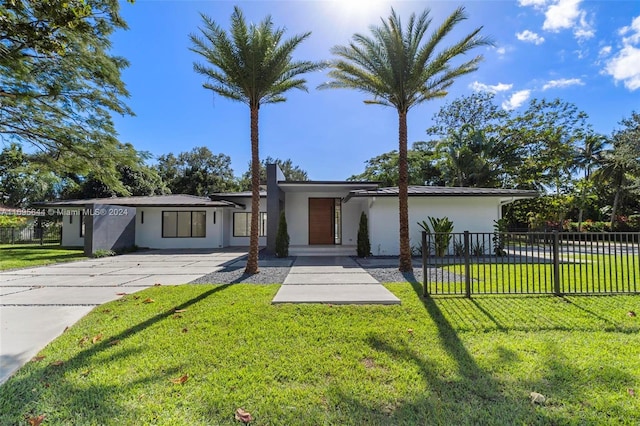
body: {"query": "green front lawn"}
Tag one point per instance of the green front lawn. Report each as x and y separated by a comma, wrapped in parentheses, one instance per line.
(28, 255)
(443, 361)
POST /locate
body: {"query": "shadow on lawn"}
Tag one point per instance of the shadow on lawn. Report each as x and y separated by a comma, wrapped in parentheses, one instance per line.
(93, 402)
(470, 394)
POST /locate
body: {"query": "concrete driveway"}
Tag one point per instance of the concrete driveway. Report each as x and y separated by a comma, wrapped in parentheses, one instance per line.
(36, 304)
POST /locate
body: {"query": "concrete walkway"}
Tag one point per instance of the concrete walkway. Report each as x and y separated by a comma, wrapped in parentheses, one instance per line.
(37, 304)
(335, 280)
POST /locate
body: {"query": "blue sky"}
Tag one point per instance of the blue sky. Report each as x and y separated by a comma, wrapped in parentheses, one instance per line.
(584, 52)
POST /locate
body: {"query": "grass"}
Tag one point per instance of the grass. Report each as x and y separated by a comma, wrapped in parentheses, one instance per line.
(439, 361)
(28, 255)
(579, 274)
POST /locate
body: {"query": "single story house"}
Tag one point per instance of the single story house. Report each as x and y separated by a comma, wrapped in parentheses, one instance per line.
(322, 216)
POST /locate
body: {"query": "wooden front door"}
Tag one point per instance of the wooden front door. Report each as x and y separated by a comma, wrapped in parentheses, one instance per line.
(321, 212)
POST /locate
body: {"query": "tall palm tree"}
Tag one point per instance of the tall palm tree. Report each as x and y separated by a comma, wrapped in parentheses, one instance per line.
(250, 64)
(589, 156)
(400, 71)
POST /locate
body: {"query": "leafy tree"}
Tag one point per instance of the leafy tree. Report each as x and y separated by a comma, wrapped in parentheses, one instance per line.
(548, 132)
(620, 166)
(21, 182)
(401, 70)
(59, 84)
(290, 171)
(196, 172)
(384, 168)
(477, 111)
(254, 65)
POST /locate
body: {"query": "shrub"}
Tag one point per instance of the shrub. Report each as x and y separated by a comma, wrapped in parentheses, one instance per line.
(442, 229)
(103, 253)
(364, 246)
(282, 237)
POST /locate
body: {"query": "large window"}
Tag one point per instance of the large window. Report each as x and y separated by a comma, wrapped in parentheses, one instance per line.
(184, 224)
(242, 224)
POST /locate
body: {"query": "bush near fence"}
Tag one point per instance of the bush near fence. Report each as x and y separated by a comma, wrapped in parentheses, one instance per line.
(533, 263)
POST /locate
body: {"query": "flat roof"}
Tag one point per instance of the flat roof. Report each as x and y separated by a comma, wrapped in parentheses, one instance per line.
(322, 186)
(173, 200)
(446, 191)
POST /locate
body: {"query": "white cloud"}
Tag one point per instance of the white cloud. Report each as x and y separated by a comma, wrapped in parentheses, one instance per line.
(605, 51)
(501, 50)
(625, 65)
(563, 15)
(534, 3)
(516, 100)
(530, 37)
(563, 82)
(481, 87)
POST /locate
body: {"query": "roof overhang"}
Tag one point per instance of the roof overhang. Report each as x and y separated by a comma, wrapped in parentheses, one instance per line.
(325, 186)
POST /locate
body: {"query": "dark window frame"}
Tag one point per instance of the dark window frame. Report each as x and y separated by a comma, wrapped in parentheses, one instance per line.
(262, 223)
(191, 212)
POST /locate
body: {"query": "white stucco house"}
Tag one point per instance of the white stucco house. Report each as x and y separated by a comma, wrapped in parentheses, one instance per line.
(322, 216)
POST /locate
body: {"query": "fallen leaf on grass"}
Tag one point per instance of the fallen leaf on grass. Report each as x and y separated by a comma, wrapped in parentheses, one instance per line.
(148, 300)
(38, 358)
(537, 398)
(631, 392)
(106, 311)
(410, 330)
(57, 363)
(65, 329)
(96, 338)
(179, 310)
(180, 380)
(177, 316)
(136, 297)
(114, 342)
(83, 340)
(85, 373)
(157, 285)
(184, 330)
(631, 314)
(243, 416)
(35, 420)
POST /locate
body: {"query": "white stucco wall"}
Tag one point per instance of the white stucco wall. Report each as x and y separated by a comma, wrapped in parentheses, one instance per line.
(149, 233)
(71, 230)
(297, 212)
(228, 238)
(473, 214)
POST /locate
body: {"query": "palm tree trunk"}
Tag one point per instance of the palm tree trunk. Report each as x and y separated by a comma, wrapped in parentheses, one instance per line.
(252, 261)
(614, 209)
(403, 198)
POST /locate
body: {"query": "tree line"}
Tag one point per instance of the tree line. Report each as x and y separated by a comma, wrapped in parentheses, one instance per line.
(24, 180)
(549, 146)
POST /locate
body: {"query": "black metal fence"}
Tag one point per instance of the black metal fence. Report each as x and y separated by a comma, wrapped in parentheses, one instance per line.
(30, 235)
(530, 263)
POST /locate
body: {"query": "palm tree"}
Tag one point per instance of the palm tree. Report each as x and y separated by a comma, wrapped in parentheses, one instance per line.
(400, 71)
(250, 64)
(589, 156)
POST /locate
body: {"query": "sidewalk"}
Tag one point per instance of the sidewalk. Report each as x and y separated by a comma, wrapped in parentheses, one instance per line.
(335, 280)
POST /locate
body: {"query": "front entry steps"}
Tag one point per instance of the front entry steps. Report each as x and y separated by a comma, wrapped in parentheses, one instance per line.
(332, 280)
(323, 250)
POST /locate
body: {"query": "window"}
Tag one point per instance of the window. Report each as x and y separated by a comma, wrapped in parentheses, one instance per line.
(337, 221)
(242, 224)
(190, 224)
(141, 217)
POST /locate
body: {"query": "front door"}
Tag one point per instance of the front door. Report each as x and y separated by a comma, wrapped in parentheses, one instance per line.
(321, 220)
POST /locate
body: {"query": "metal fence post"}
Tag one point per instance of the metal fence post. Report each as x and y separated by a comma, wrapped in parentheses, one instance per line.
(556, 263)
(424, 264)
(13, 235)
(467, 267)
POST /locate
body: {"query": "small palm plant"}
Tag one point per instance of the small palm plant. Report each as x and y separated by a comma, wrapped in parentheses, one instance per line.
(442, 229)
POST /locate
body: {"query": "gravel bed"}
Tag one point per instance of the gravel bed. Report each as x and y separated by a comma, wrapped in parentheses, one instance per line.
(388, 274)
(234, 273)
